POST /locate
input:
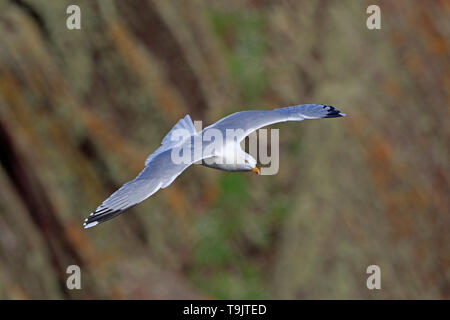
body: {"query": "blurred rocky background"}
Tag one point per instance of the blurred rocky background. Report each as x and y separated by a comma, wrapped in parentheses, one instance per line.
(80, 110)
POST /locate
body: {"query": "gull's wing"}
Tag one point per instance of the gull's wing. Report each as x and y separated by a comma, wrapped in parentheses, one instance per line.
(245, 122)
(159, 173)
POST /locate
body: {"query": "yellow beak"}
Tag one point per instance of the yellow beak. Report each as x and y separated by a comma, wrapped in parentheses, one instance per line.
(256, 170)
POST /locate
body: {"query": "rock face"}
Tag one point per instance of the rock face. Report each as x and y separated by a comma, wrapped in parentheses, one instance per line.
(81, 109)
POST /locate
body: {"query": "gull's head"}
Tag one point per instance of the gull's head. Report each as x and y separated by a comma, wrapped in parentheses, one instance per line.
(250, 164)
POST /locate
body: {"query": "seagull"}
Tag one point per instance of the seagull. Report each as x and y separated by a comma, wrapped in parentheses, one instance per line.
(161, 169)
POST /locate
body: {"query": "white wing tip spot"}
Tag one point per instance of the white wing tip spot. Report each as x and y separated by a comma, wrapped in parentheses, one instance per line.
(89, 225)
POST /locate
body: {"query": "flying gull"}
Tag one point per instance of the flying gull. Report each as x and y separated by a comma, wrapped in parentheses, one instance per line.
(161, 169)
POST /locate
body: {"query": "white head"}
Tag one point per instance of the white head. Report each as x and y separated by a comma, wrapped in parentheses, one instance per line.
(250, 164)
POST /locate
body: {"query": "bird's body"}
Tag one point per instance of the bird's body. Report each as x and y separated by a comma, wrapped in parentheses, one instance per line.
(165, 164)
(226, 161)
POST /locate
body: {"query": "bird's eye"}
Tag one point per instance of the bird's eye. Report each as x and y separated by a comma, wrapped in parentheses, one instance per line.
(246, 161)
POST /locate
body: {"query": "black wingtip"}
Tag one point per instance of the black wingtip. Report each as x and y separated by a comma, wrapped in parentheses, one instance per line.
(332, 112)
(334, 115)
(99, 217)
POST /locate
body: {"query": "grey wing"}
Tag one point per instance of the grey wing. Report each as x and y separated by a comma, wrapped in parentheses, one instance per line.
(159, 173)
(245, 122)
